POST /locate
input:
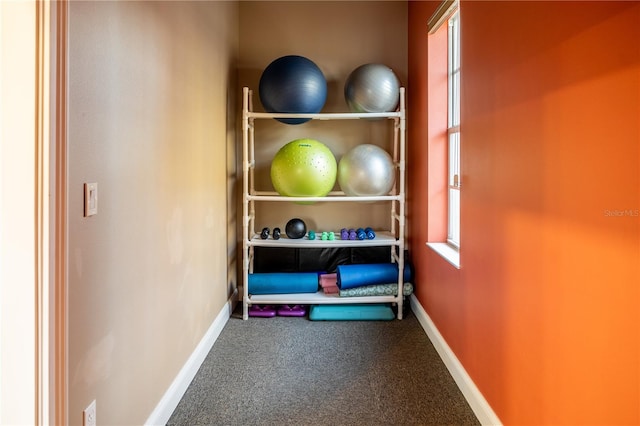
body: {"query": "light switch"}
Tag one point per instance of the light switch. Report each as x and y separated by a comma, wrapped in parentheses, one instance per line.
(90, 199)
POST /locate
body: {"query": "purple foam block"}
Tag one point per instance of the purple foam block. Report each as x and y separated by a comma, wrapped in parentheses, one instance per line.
(263, 311)
(292, 311)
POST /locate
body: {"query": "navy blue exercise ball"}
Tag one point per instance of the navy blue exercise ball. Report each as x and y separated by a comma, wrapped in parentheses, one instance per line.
(293, 84)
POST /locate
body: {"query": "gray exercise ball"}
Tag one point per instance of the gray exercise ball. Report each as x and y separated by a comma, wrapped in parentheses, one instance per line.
(366, 170)
(372, 88)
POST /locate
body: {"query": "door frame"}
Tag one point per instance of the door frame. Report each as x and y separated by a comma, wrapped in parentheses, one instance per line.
(33, 218)
(58, 185)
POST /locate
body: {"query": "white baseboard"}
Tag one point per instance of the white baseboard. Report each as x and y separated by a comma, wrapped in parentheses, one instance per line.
(173, 395)
(479, 405)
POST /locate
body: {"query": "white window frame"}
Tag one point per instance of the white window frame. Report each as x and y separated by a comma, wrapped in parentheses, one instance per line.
(449, 12)
(453, 130)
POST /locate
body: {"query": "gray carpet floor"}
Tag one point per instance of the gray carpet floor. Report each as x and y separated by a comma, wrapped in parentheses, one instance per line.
(292, 371)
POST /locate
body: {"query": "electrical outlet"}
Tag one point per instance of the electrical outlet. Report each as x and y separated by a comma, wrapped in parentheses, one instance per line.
(89, 415)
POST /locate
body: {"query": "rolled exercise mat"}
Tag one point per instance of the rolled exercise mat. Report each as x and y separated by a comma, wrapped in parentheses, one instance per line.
(329, 283)
(283, 282)
(350, 276)
(377, 290)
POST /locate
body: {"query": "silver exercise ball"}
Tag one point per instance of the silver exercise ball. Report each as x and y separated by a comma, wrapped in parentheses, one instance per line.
(372, 88)
(366, 170)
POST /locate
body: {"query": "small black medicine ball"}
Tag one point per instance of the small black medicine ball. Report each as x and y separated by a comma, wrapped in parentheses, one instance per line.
(296, 228)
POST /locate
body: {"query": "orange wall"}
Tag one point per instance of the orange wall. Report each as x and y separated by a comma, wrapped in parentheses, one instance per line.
(543, 313)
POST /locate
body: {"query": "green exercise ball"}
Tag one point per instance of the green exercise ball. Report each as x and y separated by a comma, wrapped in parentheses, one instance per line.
(304, 168)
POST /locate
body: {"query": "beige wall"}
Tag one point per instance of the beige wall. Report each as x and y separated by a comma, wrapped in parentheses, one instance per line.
(153, 103)
(150, 120)
(338, 37)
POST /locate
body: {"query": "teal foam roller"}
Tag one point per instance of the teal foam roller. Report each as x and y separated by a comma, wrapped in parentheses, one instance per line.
(283, 282)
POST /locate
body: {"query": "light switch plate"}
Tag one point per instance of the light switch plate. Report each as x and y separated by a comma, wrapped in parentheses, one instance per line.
(90, 199)
(89, 415)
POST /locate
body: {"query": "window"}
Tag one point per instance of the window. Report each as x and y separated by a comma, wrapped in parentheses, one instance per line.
(453, 131)
(443, 123)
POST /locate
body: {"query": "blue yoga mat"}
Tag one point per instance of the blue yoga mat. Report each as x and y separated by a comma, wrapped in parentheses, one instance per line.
(283, 282)
(350, 276)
